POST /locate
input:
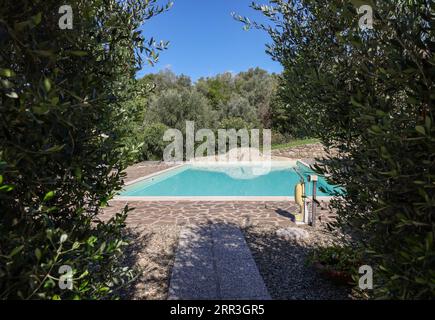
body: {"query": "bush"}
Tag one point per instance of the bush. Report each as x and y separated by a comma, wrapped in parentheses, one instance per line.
(154, 145)
(369, 93)
(59, 149)
(339, 263)
(279, 138)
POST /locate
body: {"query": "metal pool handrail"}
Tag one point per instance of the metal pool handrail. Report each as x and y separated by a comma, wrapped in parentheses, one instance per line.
(300, 175)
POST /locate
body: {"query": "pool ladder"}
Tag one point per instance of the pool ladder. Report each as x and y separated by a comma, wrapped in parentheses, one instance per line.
(305, 210)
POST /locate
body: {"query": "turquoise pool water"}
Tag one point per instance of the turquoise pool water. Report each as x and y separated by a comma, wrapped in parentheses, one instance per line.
(226, 180)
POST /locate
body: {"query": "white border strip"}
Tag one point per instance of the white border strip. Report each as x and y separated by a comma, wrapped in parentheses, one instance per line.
(212, 198)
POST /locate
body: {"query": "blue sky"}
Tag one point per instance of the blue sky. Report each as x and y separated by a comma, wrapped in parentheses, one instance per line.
(205, 39)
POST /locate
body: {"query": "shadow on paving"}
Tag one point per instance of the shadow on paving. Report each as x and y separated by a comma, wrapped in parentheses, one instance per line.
(213, 265)
(286, 214)
(151, 265)
(283, 266)
(213, 262)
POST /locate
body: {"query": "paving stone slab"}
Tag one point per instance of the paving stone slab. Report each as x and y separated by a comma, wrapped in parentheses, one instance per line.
(229, 244)
(241, 279)
(193, 275)
(193, 237)
(214, 262)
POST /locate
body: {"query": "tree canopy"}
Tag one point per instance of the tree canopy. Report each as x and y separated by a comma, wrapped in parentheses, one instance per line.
(244, 99)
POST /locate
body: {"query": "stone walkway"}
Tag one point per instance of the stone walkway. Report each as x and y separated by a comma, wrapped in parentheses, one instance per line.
(214, 262)
(242, 213)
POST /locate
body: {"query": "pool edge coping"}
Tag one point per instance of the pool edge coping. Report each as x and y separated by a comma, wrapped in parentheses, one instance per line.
(213, 198)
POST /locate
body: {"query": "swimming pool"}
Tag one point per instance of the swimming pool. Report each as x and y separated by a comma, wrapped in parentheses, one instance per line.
(226, 180)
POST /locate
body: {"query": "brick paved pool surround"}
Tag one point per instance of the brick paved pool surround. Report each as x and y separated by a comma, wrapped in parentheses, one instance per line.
(206, 198)
(241, 211)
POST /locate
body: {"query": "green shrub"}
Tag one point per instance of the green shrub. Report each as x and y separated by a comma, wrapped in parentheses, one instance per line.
(339, 264)
(370, 94)
(337, 258)
(279, 138)
(154, 145)
(59, 148)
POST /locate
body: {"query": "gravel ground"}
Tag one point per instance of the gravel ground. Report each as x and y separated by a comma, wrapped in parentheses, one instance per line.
(152, 251)
(283, 267)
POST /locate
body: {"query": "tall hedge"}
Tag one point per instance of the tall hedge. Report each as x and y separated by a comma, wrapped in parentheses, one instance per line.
(60, 155)
(370, 94)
